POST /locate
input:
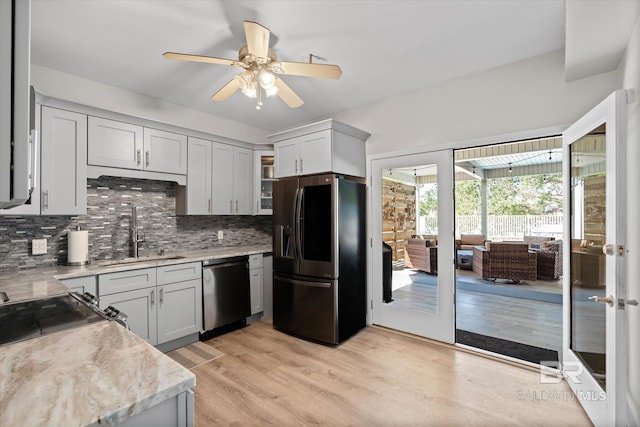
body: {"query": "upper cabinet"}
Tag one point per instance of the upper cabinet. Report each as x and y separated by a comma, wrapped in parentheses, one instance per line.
(115, 144)
(219, 180)
(326, 146)
(263, 182)
(63, 167)
(232, 180)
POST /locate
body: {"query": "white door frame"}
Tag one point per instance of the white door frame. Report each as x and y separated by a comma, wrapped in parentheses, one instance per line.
(603, 407)
(440, 326)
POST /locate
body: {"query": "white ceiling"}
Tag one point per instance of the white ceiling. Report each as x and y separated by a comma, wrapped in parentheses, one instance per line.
(383, 47)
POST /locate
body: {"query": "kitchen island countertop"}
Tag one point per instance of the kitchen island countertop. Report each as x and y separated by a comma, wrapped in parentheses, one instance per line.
(98, 374)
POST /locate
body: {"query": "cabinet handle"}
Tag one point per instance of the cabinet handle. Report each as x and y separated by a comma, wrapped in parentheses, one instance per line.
(236, 206)
(161, 295)
(209, 205)
(300, 165)
(146, 158)
(231, 206)
(45, 199)
(138, 157)
(257, 206)
(153, 297)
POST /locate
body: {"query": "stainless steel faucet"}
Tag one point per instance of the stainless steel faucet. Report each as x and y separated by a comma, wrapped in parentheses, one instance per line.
(135, 236)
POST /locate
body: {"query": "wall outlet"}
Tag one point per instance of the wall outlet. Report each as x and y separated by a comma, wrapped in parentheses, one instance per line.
(220, 234)
(38, 246)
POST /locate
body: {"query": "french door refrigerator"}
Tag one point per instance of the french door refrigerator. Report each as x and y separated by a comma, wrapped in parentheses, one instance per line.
(319, 282)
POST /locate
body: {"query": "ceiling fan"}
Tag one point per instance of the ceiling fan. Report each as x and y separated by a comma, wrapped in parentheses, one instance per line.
(261, 69)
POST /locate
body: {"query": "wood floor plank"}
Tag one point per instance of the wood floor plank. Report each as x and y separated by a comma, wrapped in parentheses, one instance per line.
(377, 377)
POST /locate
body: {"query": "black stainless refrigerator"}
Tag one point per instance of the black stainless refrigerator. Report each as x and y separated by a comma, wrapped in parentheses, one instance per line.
(319, 281)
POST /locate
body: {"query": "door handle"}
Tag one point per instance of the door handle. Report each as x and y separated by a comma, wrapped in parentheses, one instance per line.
(138, 157)
(45, 199)
(608, 249)
(231, 206)
(300, 165)
(161, 295)
(608, 299)
(209, 205)
(296, 165)
(146, 158)
(153, 297)
(236, 206)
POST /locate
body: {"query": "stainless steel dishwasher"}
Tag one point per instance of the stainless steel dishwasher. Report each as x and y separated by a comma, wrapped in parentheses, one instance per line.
(225, 291)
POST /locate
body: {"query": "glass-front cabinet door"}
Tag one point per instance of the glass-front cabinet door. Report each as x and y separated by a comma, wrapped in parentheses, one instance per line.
(263, 186)
(594, 290)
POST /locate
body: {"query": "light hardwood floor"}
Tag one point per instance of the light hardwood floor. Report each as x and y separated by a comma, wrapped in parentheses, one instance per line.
(377, 377)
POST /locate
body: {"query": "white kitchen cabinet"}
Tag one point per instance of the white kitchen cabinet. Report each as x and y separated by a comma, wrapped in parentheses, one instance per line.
(165, 151)
(195, 198)
(326, 146)
(263, 163)
(219, 180)
(232, 174)
(116, 144)
(256, 283)
(267, 286)
(82, 284)
(179, 310)
(63, 164)
(141, 307)
(162, 304)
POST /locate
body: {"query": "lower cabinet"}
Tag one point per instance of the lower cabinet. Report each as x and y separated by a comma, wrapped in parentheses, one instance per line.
(159, 310)
(256, 283)
(82, 285)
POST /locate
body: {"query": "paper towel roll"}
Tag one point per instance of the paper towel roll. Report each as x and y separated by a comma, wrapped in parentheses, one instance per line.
(78, 244)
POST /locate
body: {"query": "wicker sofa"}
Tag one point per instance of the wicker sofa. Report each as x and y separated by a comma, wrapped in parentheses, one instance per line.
(505, 260)
(421, 253)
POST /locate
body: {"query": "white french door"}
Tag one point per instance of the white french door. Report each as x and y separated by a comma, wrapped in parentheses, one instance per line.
(594, 330)
(435, 318)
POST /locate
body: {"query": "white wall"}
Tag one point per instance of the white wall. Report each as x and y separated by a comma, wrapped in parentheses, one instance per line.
(631, 80)
(530, 94)
(57, 84)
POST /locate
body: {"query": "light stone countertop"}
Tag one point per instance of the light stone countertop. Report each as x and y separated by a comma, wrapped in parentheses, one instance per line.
(43, 282)
(98, 374)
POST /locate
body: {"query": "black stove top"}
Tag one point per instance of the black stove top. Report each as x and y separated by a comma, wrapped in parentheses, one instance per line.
(31, 319)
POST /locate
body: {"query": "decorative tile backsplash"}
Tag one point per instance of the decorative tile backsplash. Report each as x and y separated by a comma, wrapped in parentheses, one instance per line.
(108, 220)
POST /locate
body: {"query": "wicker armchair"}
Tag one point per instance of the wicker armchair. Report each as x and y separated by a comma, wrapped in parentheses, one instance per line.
(505, 260)
(550, 261)
(422, 255)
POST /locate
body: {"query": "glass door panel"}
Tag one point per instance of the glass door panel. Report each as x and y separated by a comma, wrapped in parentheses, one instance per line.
(594, 320)
(412, 234)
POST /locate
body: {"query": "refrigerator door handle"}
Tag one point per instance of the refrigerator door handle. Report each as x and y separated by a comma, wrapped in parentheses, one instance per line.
(294, 230)
(299, 225)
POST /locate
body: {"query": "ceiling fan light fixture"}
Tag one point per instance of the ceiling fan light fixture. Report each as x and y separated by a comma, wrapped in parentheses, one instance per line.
(271, 91)
(267, 79)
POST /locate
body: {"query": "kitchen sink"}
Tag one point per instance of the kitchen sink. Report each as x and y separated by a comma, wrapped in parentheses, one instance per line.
(128, 261)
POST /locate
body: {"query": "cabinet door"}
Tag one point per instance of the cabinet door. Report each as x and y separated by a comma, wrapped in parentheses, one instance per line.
(199, 177)
(315, 153)
(256, 288)
(267, 286)
(82, 285)
(242, 181)
(64, 170)
(263, 172)
(287, 157)
(114, 144)
(140, 306)
(179, 310)
(222, 186)
(165, 152)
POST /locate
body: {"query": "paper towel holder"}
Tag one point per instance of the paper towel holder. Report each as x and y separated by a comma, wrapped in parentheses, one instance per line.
(75, 257)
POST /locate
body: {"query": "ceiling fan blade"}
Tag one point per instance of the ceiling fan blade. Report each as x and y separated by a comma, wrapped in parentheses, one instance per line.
(199, 58)
(287, 94)
(227, 90)
(325, 71)
(257, 39)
